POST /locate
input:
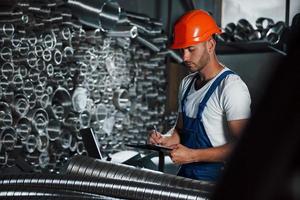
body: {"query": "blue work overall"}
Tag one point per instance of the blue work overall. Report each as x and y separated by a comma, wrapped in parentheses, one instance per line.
(194, 136)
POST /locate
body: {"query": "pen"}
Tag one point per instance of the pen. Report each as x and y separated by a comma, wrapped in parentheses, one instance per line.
(156, 133)
(154, 126)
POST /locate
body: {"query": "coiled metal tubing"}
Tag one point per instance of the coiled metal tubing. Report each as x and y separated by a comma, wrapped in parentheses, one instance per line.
(89, 167)
(98, 186)
(13, 192)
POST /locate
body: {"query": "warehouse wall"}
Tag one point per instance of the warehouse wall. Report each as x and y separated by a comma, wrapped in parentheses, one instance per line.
(255, 69)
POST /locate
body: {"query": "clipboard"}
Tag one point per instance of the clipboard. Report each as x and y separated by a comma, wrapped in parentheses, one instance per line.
(162, 151)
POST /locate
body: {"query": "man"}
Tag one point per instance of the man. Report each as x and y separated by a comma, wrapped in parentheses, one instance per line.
(214, 102)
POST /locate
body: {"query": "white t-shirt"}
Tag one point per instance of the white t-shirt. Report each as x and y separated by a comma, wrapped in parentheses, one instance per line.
(230, 101)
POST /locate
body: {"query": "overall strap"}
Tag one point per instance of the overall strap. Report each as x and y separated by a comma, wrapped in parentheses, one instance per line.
(187, 91)
(210, 91)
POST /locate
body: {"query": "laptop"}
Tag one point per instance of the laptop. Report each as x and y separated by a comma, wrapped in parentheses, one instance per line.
(91, 143)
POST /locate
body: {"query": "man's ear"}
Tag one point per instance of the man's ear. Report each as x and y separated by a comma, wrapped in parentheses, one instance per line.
(211, 44)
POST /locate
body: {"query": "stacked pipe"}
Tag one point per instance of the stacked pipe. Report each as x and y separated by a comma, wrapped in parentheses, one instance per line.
(95, 178)
(59, 75)
(266, 31)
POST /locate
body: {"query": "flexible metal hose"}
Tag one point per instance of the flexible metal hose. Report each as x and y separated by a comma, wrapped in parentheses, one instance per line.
(9, 192)
(89, 167)
(100, 186)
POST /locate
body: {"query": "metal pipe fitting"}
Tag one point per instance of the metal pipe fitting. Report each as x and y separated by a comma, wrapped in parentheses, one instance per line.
(21, 105)
(7, 69)
(73, 123)
(32, 59)
(54, 129)
(123, 31)
(121, 100)
(47, 55)
(42, 142)
(57, 57)
(44, 159)
(274, 34)
(244, 25)
(79, 99)
(80, 148)
(6, 54)
(23, 128)
(230, 28)
(264, 23)
(61, 103)
(84, 119)
(8, 138)
(38, 50)
(6, 119)
(7, 29)
(23, 48)
(255, 35)
(17, 81)
(30, 143)
(39, 117)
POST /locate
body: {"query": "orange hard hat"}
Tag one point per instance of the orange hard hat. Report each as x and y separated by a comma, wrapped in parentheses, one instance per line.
(192, 28)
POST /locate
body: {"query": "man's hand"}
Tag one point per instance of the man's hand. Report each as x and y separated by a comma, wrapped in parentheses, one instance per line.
(168, 140)
(181, 154)
(156, 138)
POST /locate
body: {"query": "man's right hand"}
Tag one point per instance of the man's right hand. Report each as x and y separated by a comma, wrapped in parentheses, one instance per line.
(155, 137)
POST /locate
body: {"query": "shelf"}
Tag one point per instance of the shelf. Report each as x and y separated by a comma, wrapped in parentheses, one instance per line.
(248, 47)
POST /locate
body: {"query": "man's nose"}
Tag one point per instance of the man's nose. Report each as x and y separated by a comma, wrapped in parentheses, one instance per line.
(185, 56)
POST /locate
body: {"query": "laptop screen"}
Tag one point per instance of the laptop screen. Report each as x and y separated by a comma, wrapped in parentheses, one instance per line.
(91, 143)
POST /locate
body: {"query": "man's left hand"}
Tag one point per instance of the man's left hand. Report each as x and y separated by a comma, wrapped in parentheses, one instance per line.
(181, 154)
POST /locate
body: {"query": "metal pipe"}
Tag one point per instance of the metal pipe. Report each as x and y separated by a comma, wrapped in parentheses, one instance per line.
(54, 129)
(101, 186)
(133, 15)
(23, 128)
(47, 193)
(92, 13)
(20, 104)
(121, 100)
(274, 34)
(84, 119)
(109, 15)
(61, 103)
(42, 141)
(264, 23)
(175, 56)
(7, 69)
(147, 44)
(86, 11)
(90, 167)
(145, 28)
(79, 99)
(123, 31)
(7, 29)
(8, 138)
(244, 26)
